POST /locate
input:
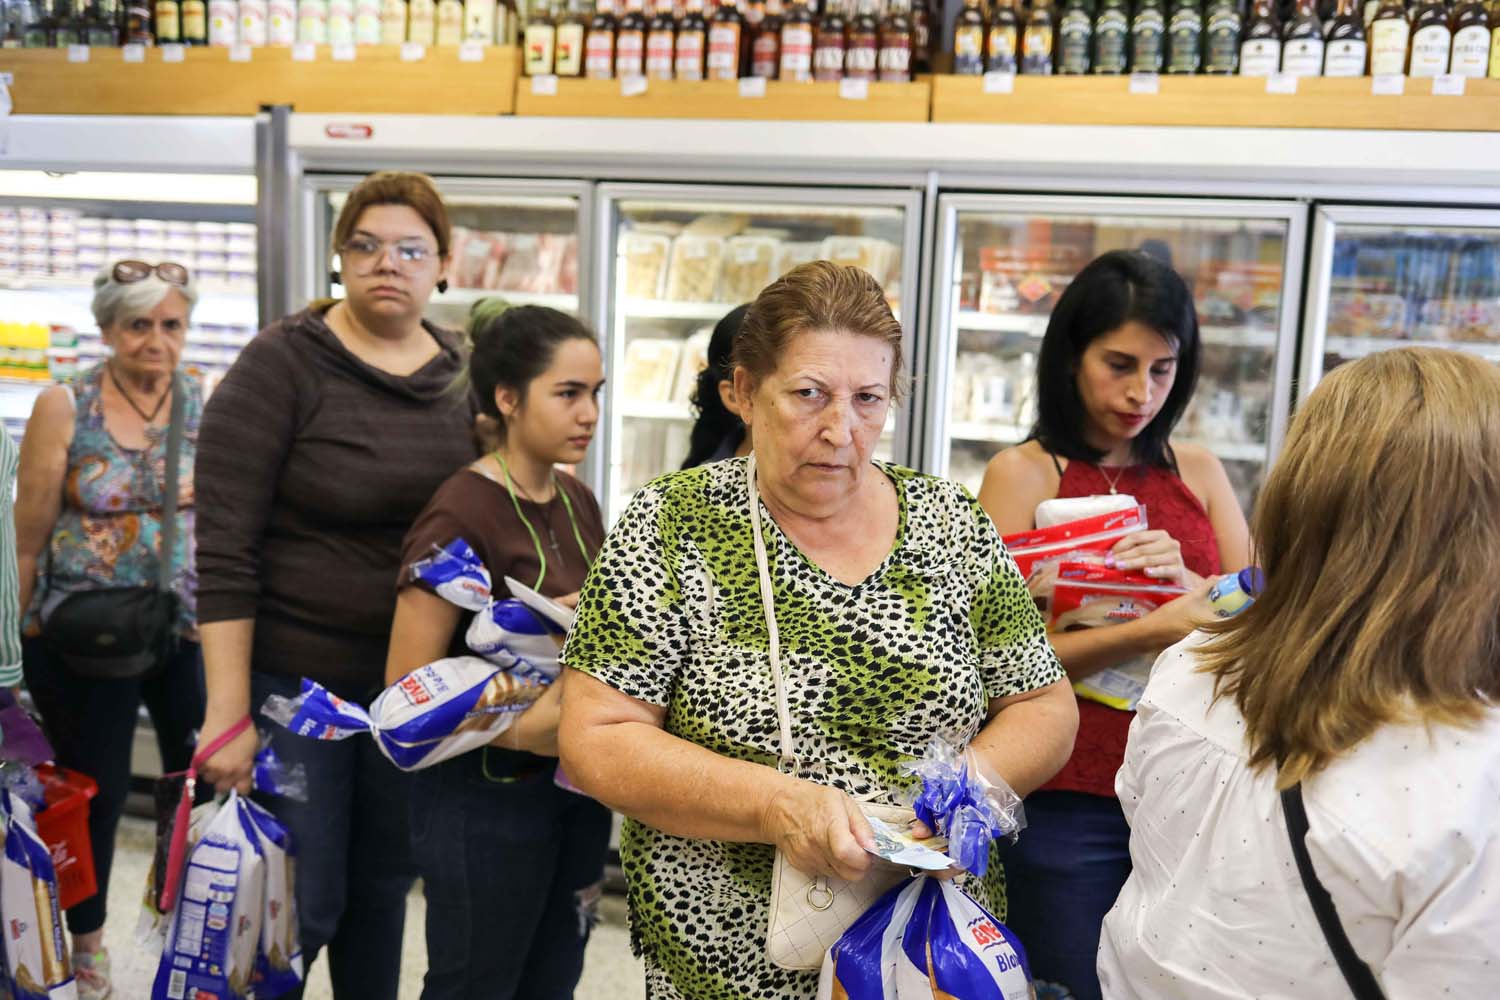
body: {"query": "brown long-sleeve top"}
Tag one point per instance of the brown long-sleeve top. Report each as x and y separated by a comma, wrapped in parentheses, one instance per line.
(311, 468)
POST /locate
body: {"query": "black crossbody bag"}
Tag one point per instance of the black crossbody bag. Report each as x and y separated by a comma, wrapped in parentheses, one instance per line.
(126, 633)
(1356, 973)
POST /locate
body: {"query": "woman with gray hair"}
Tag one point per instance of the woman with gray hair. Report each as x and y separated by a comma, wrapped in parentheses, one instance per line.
(89, 531)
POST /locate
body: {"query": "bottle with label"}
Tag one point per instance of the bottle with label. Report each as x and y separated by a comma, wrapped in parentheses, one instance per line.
(1075, 38)
(367, 22)
(968, 40)
(421, 22)
(1234, 593)
(661, 40)
(894, 58)
(70, 27)
(1471, 39)
(281, 22)
(101, 28)
(1260, 52)
(169, 24)
(1002, 42)
(862, 55)
(630, 41)
(1147, 44)
(41, 27)
(448, 22)
(599, 43)
(1185, 38)
(13, 34)
(392, 22)
(1431, 40)
(137, 30)
(572, 35)
(539, 44)
(254, 30)
(1302, 42)
(765, 46)
(828, 43)
(478, 21)
(1345, 52)
(1112, 38)
(1390, 37)
(340, 22)
(194, 23)
(312, 21)
(728, 43)
(1038, 41)
(922, 20)
(796, 44)
(223, 23)
(692, 42)
(1221, 41)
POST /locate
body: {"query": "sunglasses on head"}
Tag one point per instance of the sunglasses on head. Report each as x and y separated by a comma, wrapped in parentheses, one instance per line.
(127, 272)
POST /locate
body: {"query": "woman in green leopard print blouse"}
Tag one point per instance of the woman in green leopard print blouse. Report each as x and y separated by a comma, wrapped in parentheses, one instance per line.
(900, 616)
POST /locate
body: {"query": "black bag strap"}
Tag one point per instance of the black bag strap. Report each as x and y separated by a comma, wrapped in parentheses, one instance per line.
(1356, 973)
(169, 497)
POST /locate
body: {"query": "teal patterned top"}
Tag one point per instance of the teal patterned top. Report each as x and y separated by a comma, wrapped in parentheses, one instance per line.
(671, 615)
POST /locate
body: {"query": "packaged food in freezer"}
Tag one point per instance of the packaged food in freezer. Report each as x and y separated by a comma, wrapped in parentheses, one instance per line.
(478, 267)
(873, 255)
(650, 366)
(696, 264)
(790, 255)
(694, 360)
(748, 265)
(646, 257)
(522, 261)
(717, 225)
(567, 269)
(552, 250)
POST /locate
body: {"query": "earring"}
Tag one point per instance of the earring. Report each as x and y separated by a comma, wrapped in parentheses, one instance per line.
(442, 285)
(335, 277)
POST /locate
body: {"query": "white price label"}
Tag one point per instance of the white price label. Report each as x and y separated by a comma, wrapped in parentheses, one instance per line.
(999, 83)
(239, 53)
(471, 52)
(304, 52)
(78, 53)
(854, 90)
(1448, 85)
(632, 86)
(1281, 83)
(413, 52)
(544, 86)
(753, 86)
(1145, 83)
(173, 53)
(1388, 85)
(343, 52)
(134, 53)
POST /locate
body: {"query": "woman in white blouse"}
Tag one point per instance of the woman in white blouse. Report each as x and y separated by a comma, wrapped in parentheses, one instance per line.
(1368, 671)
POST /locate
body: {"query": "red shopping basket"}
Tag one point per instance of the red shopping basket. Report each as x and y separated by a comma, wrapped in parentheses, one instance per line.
(63, 825)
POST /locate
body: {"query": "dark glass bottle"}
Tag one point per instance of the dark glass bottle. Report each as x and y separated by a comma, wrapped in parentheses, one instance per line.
(661, 42)
(41, 26)
(1112, 38)
(862, 54)
(1185, 38)
(1039, 40)
(1002, 40)
(1431, 40)
(1471, 39)
(1221, 38)
(765, 48)
(728, 43)
(137, 30)
(796, 43)
(630, 41)
(1345, 51)
(70, 28)
(599, 43)
(1075, 36)
(1302, 41)
(1147, 44)
(922, 21)
(829, 42)
(968, 40)
(894, 58)
(1260, 52)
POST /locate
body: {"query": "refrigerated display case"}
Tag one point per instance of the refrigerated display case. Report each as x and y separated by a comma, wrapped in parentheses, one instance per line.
(685, 255)
(1384, 277)
(1003, 262)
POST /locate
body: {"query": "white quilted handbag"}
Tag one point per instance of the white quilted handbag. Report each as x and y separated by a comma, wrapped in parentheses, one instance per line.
(809, 913)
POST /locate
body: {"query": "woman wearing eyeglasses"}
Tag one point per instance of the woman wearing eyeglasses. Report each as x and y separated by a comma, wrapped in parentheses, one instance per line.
(89, 522)
(323, 442)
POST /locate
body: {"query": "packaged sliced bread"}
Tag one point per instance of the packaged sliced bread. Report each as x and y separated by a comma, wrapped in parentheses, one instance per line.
(749, 263)
(697, 262)
(645, 263)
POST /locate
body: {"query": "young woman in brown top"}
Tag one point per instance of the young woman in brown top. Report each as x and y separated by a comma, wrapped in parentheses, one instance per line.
(317, 451)
(511, 863)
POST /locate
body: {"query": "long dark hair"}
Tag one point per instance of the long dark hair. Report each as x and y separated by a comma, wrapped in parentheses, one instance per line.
(1117, 288)
(714, 422)
(511, 345)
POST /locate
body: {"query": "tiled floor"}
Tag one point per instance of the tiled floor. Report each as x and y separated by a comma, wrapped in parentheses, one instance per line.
(610, 971)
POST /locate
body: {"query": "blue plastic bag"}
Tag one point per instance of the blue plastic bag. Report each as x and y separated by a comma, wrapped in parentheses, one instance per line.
(964, 801)
(456, 574)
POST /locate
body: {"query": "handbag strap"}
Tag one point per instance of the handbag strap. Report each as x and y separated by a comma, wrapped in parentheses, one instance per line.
(788, 764)
(169, 498)
(1356, 973)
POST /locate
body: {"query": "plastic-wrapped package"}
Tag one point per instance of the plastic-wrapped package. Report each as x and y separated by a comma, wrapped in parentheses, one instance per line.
(456, 574)
(645, 260)
(516, 639)
(278, 956)
(36, 951)
(1088, 595)
(790, 255)
(926, 940)
(650, 368)
(1098, 535)
(697, 262)
(749, 262)
(964, 800)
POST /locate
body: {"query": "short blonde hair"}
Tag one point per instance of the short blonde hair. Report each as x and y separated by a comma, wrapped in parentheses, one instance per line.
(1379, 532)
(115, 301)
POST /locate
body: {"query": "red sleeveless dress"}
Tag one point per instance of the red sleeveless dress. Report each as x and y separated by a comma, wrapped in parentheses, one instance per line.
(1170, 507)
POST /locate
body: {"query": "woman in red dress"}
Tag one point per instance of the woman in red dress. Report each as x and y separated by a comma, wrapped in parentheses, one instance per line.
(1117, 367)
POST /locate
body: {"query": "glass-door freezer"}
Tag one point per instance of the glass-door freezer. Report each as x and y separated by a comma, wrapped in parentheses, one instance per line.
(678, 258)
(1003, 262)
(1383, 277)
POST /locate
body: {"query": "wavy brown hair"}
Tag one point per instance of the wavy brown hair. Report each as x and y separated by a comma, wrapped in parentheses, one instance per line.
(1379, 531)
(815, 297)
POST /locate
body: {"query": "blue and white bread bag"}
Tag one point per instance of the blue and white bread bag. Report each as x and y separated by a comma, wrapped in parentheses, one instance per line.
(926, 940)
(36, 952)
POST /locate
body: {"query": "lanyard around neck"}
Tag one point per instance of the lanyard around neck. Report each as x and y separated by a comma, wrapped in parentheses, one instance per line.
(536, 540)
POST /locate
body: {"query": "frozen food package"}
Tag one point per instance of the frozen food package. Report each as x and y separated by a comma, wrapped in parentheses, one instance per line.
(567, 268)
(749, 262)
(867, 253)
(215, 929)
(278, 957)
(36, 950)
(470, 268)
(694, 360)
(645, 259)
(551, 251)
(790, 255)
(1088, 595)
(522, 262)
(696, 264)
(650, 365)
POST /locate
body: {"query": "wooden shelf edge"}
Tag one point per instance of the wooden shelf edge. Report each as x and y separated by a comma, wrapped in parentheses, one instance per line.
(720, 99)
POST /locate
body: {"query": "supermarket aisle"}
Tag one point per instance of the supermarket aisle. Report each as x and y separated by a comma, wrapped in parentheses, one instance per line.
(610, 972)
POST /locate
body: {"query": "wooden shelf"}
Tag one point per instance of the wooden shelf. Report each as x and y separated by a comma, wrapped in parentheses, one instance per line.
(207, 82)
(720, 99)
(1223, 102)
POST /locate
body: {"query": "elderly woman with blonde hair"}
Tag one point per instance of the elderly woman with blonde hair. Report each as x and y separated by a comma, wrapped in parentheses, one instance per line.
(90, 517)
(764, 641)
(1311, 786)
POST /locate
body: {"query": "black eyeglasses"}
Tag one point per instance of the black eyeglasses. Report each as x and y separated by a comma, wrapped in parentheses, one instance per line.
(128, 272)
